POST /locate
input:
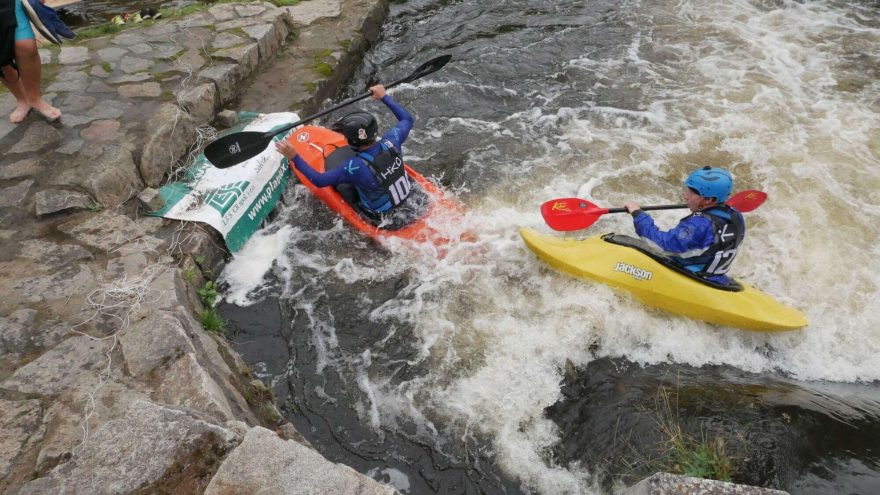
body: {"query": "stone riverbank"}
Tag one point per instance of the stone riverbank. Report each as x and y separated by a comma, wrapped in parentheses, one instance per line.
(108, 383)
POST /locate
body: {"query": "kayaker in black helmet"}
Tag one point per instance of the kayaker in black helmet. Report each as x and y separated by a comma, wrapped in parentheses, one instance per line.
(375, 171)
(706, 241)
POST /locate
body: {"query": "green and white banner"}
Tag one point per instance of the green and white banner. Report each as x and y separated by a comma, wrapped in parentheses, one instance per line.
(234, 200)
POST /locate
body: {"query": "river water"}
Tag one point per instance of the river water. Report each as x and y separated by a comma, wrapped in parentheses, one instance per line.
(485, 371)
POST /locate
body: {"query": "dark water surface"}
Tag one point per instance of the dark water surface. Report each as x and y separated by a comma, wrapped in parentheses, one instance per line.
(487, 372)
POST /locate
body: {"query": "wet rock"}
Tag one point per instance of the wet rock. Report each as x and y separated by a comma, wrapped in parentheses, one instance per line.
(267, 37)
(72, 86)
(222, 12)
(15, 195)
(73, 360)
(98, 71)
(150, 199)
(227, 118)
(110, 109)
(75, 75)
(53, 255)
(77, 103)
(154, 341)
(128, 78)
(190, 61)
(249, 10)
(172, 131)
(99, 87)
(264, 460)
(73, 55)
(19, 169)
(101, 130)
(199, 101)
(132, 452)
(112, 54)
(128, 38)
(246, 55)
(21, 338)
(70, 147)
(106, 231)
(38, 136)
(306, 13)
(187, 384)
(226, 77)
(21, 424)
(146, 90)
(63, 284)
(130, 64)
(65, 420)
(51, 201)
(226, 40)
(111, 177)
(198, 20)
(672, 484)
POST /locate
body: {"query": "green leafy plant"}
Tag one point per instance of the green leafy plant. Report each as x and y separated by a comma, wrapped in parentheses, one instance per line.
(212, 321)
(208, 293)
(189, 274)
(682, 452)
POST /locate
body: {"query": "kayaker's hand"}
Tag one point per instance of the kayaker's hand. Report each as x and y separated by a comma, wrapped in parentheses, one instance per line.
(631, 207)
(378, 91)
(285, 148)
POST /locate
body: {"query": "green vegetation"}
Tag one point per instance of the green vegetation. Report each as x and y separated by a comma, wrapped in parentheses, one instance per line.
(682, 452)
(97, 31)
(107, 67)
(212, 321)
(189, 274)
(323, 68)
(208, 293)
(210, 318)
(284, 3)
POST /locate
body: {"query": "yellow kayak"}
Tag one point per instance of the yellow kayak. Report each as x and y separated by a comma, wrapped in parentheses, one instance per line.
(660, 286)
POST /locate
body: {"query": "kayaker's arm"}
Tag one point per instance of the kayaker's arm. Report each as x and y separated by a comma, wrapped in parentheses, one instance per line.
(330, 178)
(693, 233)
(399, 132)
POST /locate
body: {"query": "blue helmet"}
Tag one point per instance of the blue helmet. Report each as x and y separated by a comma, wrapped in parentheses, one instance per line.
(711, 182)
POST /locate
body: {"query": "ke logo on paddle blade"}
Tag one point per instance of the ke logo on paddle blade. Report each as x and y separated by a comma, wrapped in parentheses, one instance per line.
(235, 148)
(560, 206)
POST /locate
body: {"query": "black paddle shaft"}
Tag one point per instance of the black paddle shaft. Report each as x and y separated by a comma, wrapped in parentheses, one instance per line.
(649, 208)
(237, 147)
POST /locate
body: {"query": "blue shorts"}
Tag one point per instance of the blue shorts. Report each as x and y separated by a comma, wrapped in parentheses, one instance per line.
(23, 31)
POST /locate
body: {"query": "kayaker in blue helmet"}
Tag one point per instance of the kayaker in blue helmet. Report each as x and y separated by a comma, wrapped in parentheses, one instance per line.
(706, 241)
(375, 170)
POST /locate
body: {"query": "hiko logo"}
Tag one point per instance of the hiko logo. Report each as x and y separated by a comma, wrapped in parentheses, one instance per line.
(302, 137)
(636, 272)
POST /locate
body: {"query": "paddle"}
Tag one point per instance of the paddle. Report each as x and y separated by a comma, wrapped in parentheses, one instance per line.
(237, 147)
(575, 214)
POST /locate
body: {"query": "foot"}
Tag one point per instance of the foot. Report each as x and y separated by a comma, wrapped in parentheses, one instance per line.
(46, 110)
(20, 112)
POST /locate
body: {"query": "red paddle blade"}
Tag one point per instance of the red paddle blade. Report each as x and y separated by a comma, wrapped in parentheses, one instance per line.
(748, 200)
(566, 214)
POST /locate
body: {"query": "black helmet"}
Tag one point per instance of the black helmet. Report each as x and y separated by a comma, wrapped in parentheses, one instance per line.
(359, 128)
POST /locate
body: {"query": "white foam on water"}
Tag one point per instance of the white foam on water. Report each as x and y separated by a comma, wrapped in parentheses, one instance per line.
(246, 271)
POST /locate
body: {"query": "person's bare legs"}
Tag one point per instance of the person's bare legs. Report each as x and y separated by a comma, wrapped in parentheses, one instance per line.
(13, 83)
(28, 60)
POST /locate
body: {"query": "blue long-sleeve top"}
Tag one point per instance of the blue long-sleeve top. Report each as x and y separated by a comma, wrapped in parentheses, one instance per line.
(692, 236)
(356, 171)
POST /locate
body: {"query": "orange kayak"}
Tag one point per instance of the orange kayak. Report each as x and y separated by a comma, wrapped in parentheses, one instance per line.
(316, 144)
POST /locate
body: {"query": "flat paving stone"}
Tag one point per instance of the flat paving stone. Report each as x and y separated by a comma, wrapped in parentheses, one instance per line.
(15, 195)
(73, 55)
(101, 130)
(146, 90)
